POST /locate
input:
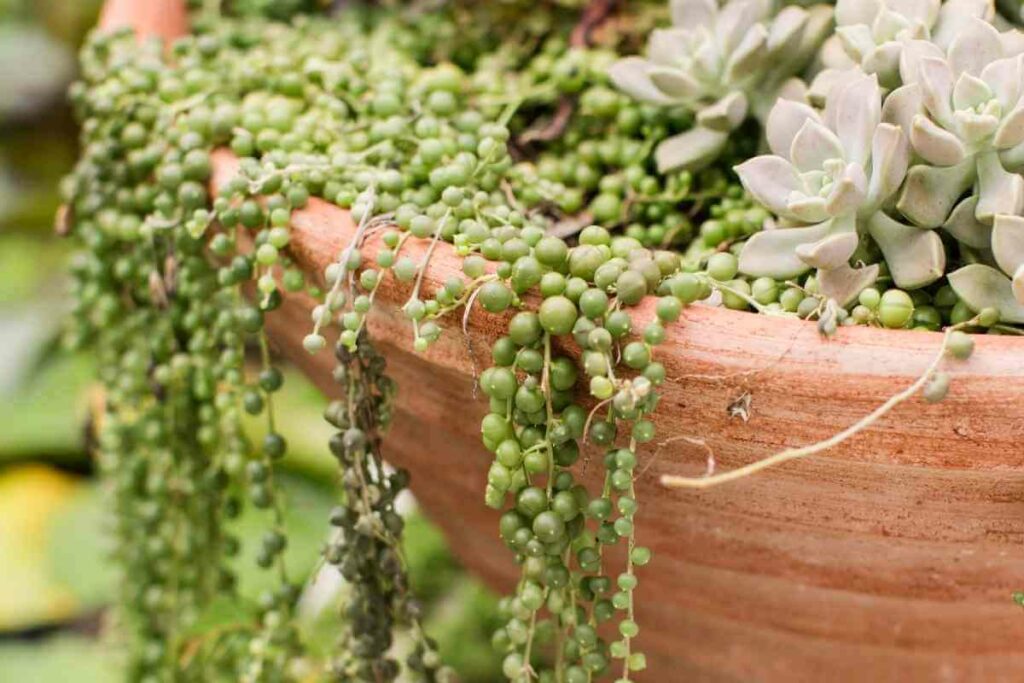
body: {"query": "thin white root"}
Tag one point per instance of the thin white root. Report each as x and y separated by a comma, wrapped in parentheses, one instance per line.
(469, 340)
(705, 482)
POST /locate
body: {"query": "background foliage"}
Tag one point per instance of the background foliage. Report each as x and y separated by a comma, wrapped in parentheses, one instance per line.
(52, 544)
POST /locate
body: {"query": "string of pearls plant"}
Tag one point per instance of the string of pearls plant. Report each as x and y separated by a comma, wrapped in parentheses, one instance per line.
(443, 128)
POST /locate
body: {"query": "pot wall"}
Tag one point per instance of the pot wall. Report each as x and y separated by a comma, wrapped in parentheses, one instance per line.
(890, 558)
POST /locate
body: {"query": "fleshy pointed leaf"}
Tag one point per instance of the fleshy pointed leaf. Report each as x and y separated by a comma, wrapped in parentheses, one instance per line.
(857, 113)
(935, 144)
(786, 27)
(707, 61)
(902, 105)
(937, 90)
(807, 209)
(691, 151)
(849, 191)
(981, 286)
(954, 14)
(818, 26)
(930, 193)
(1008, 242)
(914, 52)
(884, 62)
(970, 91)
(772, 253)
(965, 226)
(823, 83)
(1005, 78)
(668, 46)
(857, 41)
(892, 25)
(674, 83)
(630, 76)
(829, 253)
(844, 283)
(890, 157)
(857, 11)
(1017, 286)
(813, 145)
(916, 257)
(976, 46)
(735, 19)
(749, 55)
(1011, 131)
(771, 180)
(726, 114)
(999, 190)
(784, 121)
(691, 14)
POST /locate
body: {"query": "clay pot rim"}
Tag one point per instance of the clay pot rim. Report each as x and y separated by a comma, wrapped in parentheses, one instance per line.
(168, 18)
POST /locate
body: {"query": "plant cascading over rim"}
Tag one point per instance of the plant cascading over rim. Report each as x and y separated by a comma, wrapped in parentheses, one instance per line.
(573, 180)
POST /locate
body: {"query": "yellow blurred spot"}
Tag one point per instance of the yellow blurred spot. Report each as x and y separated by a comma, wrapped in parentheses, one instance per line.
(29, 498)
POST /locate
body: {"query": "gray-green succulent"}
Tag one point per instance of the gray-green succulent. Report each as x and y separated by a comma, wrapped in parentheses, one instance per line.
(829, 176)
(963, 112)
(951, 80)
(725, 63)
(872, 35)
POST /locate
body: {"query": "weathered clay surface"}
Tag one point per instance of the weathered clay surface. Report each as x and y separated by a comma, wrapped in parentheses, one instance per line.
(891, 558)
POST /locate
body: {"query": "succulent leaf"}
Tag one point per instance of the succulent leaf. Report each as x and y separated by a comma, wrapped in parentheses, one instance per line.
(725, 62)
(773, 253)
(915, 256)
(965, 227)
(930, 192)
(691, 150)
(630, 75)
(981, 286)
(785, 120)
(890, 157)
(726, 114)
(999, 191)
(855, 115)
(693, 13)
(845, 282)
(830, 252)
(1008, 242)
(772, 180)
(935, 144)
(976, 46)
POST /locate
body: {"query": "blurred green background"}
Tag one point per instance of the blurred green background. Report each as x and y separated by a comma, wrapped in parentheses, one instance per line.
(57, 582)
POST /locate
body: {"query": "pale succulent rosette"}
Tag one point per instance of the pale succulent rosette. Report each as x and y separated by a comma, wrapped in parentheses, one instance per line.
(872, 35)
(829, 177)
(725, 63)
(964, 114)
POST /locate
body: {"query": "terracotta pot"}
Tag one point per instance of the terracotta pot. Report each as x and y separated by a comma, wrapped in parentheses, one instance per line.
(890, 558)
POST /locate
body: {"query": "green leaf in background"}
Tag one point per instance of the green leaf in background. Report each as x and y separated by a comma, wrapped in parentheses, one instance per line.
(44, 418)
(222, 614)
(78, 542)
(307, 506)
(299, 408)
(28, 265)
(78, 546)
(59, 660)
